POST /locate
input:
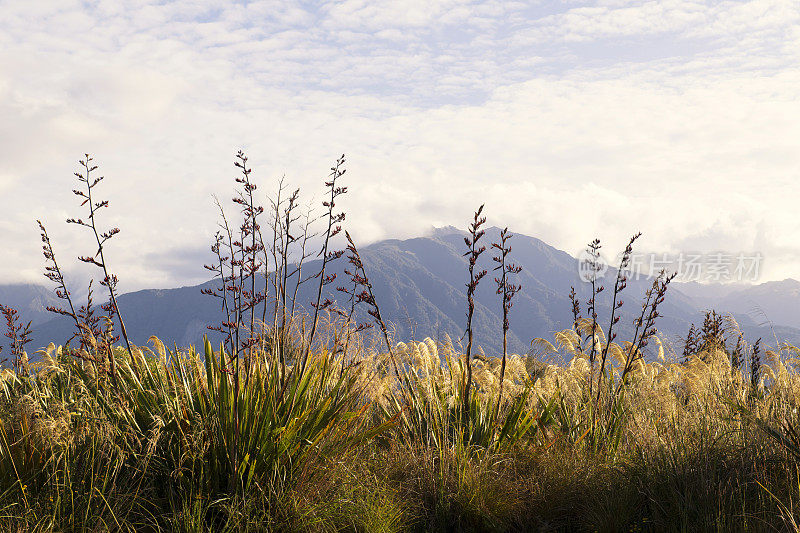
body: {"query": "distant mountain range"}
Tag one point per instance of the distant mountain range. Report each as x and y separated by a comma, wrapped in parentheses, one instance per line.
(419, 284)
(776, 302)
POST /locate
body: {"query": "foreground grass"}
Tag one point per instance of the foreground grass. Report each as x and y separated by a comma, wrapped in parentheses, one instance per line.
(170, 443)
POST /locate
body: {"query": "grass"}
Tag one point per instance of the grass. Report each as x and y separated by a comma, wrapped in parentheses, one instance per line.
(339, 451)
(321, 422)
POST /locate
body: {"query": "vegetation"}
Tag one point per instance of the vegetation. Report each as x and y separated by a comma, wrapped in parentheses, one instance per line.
(321, 421)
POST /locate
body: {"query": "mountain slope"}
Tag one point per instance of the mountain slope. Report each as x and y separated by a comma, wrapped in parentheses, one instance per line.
(30, 300)
(420, 286)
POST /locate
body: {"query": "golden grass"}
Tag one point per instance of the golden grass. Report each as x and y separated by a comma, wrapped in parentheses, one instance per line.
(689, 445)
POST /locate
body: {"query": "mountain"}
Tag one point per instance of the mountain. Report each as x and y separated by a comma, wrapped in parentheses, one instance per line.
(772, 302)
(30, 300)
(419, 284)
(178, 316)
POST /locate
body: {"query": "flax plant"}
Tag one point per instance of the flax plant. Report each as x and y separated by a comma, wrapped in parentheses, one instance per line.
(333, 228)
(474, 250)
(18, 333)
(507, 290)
(110, 281)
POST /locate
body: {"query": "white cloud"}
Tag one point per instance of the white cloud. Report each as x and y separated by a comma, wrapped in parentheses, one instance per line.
(677, 118)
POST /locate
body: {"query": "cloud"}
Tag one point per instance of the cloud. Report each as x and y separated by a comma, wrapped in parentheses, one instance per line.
(183, 263)
(569, 120)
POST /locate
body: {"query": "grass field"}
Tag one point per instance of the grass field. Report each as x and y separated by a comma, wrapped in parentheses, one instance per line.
(171, 443)
(323, 422)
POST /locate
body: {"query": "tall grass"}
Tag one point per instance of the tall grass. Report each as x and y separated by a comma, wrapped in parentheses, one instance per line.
(339, 448)
(308, 422)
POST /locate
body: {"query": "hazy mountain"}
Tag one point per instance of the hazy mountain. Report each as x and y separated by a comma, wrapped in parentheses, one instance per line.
(177, 316)
(702, 293)
(773, 302)
(420, 286)
(30, 300)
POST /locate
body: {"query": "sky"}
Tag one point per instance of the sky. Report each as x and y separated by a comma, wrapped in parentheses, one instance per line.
(569, 119)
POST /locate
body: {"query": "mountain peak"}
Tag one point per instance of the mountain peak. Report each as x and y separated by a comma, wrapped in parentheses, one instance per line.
(420, 284)
(444, 231)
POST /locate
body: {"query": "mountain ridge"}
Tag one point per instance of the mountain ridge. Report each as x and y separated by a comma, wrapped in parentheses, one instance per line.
(420, 285)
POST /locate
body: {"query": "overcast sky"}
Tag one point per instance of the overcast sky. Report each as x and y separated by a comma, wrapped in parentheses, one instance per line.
(569, 119)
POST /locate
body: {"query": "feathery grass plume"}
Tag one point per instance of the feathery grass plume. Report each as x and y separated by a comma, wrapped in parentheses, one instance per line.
(507, 290)
(97, 259)
(428, 403)
(19, 335)
(333, 228)
(472, 254)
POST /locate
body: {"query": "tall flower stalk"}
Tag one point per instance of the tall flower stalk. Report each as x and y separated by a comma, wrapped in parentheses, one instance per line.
(474, 250)
(98, 259)
(508, 290)
(19, 335)
(333, 228)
